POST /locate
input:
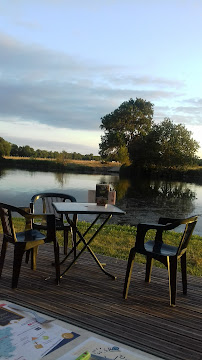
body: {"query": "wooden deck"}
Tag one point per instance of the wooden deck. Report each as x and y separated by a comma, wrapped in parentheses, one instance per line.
(88, 298)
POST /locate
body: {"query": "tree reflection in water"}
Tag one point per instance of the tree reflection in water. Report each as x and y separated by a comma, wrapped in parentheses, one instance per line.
(145, 200)
(2, 173)
(61, 179)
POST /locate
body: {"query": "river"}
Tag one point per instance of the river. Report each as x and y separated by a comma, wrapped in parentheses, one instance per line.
(143, 200)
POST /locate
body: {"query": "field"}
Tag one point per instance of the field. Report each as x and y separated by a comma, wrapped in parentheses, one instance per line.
(91, 163)
(60, 164)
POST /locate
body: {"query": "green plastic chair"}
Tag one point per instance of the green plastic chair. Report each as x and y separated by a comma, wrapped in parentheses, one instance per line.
(158, 250)
(44, 201)
(26, 241)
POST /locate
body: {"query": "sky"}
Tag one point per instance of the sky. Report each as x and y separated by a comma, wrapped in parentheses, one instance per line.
(64, 64)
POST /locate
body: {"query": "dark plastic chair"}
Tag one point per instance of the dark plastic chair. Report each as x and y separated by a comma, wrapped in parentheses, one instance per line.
(166, 254)
(44, 203)
(27, 240)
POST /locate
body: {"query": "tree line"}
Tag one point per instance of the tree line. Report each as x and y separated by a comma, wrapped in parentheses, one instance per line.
(9, 149)
(132, 137)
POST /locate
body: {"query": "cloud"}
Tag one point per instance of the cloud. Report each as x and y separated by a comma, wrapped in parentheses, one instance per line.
(123, 79)
(190, 111)
(56, 89)
(52, 145)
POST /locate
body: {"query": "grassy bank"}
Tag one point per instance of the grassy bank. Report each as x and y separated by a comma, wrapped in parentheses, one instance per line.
(186, 174)
(77, 166)
(117, 240)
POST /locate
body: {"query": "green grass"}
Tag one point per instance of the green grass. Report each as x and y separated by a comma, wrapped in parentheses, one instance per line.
(117, 240)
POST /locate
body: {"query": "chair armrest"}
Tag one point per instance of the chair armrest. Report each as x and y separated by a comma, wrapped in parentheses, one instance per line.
(37, 216)
(160, 226)
(165, 220)
(143, 228)
(50, 220)
(27, 209)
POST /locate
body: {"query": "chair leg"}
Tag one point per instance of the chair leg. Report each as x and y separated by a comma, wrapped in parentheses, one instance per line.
(18, 254)
(34, 252)
(172, 274)
(27, 256)
(65, 240)
(75, 220)
(57, 261)
(184, 273)
(74, 241)
(148, 269)
(3, 255)
(129, 269)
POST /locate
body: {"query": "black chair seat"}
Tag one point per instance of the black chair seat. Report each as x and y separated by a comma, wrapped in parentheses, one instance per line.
(30, 235)
(160, 248)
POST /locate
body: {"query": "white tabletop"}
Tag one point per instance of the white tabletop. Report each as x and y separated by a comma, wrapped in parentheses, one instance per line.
(86, 208)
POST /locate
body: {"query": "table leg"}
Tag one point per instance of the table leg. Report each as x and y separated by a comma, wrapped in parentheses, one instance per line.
(73, 224)
(86, 245)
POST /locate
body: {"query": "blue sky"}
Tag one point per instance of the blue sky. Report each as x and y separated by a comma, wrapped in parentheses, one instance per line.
(64, 64)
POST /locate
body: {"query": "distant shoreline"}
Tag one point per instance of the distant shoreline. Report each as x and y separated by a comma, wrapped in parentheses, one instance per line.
(192, 175)
(77, 166)
(189, 174)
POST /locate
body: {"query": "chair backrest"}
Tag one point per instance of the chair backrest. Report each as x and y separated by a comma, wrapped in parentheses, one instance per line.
(6, 220)
(189, 223)
(47, 200)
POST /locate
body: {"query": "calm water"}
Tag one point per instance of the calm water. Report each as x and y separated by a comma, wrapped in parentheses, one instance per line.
(143, 200)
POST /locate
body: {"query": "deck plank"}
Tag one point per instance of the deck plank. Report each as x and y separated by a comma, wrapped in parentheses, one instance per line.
(88, 298)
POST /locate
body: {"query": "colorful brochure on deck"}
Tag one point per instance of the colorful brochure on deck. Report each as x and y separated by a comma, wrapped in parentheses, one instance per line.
(100, 350)
(23, 338)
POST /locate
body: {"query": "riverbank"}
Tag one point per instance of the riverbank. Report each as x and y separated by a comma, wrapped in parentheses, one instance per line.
(77, 166)
(189, 174)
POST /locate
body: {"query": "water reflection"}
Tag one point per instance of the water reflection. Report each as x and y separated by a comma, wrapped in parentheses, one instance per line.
(145, 200)
(142, 199)
(2, 173)
(61, 179)
(121, 187)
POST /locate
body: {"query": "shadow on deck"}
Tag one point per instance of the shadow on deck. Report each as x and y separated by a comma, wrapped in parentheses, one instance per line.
(88, 298)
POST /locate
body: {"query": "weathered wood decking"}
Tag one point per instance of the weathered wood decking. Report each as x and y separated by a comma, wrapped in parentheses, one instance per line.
(88, 298)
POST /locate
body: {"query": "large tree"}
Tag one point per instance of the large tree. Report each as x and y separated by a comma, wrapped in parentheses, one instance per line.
(131, 120)
(167, 144)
